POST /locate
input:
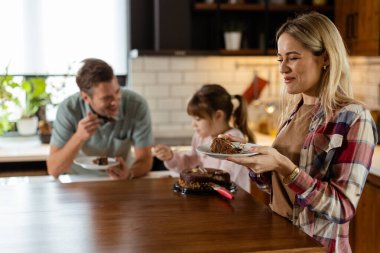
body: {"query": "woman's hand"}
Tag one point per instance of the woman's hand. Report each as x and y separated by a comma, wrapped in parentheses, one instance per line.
(268, 159)
(231, 138)
(163, 152)
(119, 171)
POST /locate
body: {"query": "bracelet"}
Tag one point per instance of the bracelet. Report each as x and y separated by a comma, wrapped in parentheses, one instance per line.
(290, 178)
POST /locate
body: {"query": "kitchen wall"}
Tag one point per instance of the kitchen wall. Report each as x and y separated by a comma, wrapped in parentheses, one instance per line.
(168, 82)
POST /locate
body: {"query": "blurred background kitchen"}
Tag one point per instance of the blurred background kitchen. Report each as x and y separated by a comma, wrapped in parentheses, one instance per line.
(165, 50)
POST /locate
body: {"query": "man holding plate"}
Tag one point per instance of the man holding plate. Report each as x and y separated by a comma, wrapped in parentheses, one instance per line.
(101, 120)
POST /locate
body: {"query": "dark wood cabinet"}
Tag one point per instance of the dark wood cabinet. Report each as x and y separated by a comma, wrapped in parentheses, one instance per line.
(365, 227)
(197, 27)
(160, 25)
(259, 19)
(359, 24)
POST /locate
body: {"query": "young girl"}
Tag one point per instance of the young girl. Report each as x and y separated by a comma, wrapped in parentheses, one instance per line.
(211, 110)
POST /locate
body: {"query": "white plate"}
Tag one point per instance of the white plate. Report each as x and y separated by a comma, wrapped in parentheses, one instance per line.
(205, 149)
(87, 163)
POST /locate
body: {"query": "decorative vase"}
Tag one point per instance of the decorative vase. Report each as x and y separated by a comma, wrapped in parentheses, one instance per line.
(232, 40)
(27, 126)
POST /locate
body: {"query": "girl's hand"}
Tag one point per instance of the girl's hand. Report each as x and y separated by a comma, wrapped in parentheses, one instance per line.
(163, 152)
(119, 171)
(231, 138)
(268, 159)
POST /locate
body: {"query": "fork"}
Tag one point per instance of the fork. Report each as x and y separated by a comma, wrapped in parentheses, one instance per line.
(202, 169)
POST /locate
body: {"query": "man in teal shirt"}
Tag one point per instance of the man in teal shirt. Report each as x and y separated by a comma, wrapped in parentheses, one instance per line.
(101, 120)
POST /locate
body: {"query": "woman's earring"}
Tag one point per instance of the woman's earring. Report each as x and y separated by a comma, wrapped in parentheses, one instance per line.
(324, 67)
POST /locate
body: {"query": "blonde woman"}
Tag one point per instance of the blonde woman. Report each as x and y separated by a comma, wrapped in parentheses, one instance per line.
(317, 167)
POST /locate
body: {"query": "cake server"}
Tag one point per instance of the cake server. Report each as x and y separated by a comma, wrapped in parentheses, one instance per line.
(222, 191)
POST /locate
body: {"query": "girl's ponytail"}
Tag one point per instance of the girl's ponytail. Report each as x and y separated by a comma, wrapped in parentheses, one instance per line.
(240, 119)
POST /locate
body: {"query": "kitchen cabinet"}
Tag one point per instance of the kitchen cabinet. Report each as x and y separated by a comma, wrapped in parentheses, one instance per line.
(258, 20)
(17, 169)
(160, 25)
(365, 228)
(359, 24)
(196, 27)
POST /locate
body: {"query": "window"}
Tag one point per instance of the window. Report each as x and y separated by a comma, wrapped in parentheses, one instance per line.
(50, 38)
(47, 37)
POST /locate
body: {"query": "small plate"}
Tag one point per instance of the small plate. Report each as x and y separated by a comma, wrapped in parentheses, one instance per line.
(205, 149)
(185, 190)
(87, 163)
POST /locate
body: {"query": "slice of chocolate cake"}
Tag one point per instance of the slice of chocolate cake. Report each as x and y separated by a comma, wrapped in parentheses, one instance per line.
(223, 146)
(196, 179)
(102, 160)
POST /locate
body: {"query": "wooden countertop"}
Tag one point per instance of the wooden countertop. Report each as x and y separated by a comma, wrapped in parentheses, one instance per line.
(139, 216)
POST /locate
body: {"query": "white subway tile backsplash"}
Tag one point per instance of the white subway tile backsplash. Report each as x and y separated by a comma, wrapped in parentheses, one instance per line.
(160, 117)
(157, 91)
(188, 128)
(229, 63)
(374, 75)
(196, 77)
(137, 65)
(169, 77)
(182, 63)
(221, 77)
(245, 76)
(358, 75)
(209, 63)
(169, 82)
(152, 103)
(156, 63)
(171, 104)
(143, 78)
(139, 89)
(359, 91)
(180, 117)
(236, 89)
(171, 130)
(182, 90)
(372, 90)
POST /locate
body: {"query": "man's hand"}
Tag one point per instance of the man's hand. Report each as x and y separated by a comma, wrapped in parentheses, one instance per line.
(87, 126)
(163, 152)
(119, 171)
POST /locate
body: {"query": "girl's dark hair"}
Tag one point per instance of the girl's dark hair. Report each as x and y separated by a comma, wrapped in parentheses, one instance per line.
(92, 73)
(212, 97)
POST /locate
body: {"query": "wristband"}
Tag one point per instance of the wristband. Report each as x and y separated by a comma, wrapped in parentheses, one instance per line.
(290, 178)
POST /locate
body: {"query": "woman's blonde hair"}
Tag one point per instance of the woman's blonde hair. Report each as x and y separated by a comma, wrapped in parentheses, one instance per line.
(319, 34)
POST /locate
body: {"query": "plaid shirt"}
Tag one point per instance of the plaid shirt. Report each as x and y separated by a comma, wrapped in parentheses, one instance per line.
(335, 161)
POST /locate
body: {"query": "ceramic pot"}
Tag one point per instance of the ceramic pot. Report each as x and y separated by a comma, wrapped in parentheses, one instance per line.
(27, 126)
(232, 40)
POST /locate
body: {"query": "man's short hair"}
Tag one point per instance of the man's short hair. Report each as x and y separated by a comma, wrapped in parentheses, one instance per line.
(92, 73)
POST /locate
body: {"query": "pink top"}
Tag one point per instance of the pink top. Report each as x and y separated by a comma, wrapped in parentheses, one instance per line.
(192, 159)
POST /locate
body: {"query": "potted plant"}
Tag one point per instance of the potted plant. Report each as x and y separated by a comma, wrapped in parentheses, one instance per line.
(35, 98)
(6, 98)
(232, 35)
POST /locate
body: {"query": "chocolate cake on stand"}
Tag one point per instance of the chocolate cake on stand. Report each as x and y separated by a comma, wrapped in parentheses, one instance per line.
(198, 180)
